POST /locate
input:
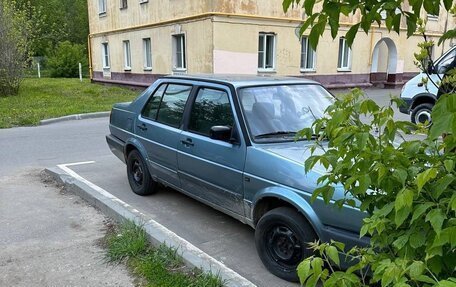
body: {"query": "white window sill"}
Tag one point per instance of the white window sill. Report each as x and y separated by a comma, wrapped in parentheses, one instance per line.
(123, 8)
(343, 69)
(106, 68)
(179, 70)
(147, 69)
(127, 69)
(102, 14)
(308, 70)
(143, 1)
(267, 70)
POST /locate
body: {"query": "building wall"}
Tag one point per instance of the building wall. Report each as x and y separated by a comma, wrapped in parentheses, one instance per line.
(222, 37)
(198, 36)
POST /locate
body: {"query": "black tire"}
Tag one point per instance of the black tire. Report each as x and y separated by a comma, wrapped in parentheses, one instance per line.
(421, 113)
(281, 238)
(139, 177)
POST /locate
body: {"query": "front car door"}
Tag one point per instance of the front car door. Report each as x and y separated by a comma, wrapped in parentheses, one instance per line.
(212, 169)
(159, 127)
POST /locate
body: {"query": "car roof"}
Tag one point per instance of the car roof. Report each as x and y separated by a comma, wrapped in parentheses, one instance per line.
(243, 80)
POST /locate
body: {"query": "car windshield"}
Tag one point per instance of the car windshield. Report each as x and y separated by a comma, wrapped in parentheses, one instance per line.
(281, 111)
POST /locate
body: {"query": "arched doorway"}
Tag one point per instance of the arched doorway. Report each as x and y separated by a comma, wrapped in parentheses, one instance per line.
(384, 68)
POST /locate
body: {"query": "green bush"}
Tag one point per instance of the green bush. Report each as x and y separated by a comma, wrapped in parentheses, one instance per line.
(64, 63)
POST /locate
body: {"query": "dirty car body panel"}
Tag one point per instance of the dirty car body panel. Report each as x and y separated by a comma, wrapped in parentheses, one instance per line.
(256, 169)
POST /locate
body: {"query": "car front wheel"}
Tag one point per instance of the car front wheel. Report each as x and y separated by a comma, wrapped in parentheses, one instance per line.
(139, 178)
(422, 113)
(281, 238)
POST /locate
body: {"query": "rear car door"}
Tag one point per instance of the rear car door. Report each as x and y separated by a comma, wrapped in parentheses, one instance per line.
(212, 169)
(159, 128)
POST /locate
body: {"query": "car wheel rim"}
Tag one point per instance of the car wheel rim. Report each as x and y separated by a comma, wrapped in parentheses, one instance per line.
(423, 116)
(137, 173)
(284, 247)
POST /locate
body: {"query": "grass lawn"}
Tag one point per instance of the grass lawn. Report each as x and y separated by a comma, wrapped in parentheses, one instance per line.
(153, 266)
(46, 98)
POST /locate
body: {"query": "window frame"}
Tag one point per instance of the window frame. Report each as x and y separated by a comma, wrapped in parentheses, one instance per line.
(147, 54)
(105, 55)
(193, 100)
(345, 48)
(123, 4)
(304, 57)
(183, 117)
(265, 36)
(127, 55)
(102, 7)
(183, 45)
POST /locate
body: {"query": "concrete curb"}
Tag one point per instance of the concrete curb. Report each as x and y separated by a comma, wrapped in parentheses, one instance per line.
(158, 234)
(75, 117)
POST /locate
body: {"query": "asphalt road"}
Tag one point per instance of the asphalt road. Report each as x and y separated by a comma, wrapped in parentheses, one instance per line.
(219, 235)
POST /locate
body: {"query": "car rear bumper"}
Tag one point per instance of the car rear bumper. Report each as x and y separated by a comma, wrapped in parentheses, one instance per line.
(116, 146)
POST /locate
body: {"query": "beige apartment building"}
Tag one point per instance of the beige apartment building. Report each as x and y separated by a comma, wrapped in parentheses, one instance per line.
(135, 41)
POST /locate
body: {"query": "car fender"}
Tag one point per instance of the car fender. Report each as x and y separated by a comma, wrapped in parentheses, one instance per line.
(294, 199)
(135, 143)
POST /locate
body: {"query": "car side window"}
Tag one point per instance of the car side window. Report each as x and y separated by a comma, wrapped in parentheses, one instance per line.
(151, 108)
(211, 108)
(173, 104)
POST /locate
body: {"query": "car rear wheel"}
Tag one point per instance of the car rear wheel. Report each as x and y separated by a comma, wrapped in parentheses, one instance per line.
(139, 178)
(281, 238)
(422, 113)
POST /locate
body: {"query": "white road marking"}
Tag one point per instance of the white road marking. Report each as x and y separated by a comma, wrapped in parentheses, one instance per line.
(184, 244)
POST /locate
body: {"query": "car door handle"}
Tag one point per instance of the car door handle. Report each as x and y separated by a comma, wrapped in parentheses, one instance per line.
(142, 127)
(187, 142)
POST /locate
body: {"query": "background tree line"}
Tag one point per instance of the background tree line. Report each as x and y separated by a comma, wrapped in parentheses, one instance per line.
(53, 32)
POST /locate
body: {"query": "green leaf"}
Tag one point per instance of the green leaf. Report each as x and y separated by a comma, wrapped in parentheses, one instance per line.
(400, 242)
(333, 254)
(417, 239)
(411, 24)
(308, 6)
(436, 218)
(416, 269)
(401, 215)
(286, 5)
(441, 185)
(449, 165)
(350, 35)
(425, 279)
(447, 35)
(420, 209)
(397, 23)
(404, 199)
(315, 33)
(309, 21)
(304, 270)
(400, 175)
(425, 177)
(447, 4)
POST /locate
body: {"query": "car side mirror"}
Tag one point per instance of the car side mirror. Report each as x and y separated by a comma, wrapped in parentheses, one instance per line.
(222, 133)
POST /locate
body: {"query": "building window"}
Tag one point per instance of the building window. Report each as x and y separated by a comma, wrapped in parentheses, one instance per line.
(431, 17)
(266, 52)
(147, 54)
(179, 52)
(307, 55)
(101, 7)
(127, 55)
(344, 61)
(105, 53)
(123, 4)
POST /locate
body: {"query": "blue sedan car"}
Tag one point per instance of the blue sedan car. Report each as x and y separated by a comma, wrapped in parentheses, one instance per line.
(229, 142)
